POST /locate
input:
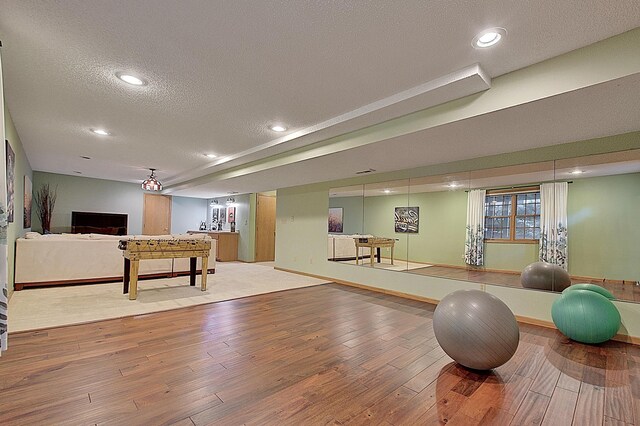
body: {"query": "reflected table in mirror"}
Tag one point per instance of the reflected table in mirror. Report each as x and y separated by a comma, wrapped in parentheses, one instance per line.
(374, 243)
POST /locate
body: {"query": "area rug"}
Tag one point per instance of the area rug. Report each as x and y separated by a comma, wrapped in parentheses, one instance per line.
(400, 265)
(38, 308)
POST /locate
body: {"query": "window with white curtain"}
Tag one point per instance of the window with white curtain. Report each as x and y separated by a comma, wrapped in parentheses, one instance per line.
(512, 216)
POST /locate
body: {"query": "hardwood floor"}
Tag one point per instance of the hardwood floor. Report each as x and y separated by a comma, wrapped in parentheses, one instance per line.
(627, 291)
(317, 355)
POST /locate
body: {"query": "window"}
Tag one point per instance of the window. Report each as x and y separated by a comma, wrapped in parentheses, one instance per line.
(512, 216)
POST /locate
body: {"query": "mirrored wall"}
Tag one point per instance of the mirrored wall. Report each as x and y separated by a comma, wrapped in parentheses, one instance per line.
(491, 226)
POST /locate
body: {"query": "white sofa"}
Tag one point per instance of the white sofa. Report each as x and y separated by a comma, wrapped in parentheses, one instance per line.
(89, 258)
(343, 247)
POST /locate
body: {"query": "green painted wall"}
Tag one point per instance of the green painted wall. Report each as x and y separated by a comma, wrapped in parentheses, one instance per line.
(379, 221)
(509, 257)
(187, 213)
(246, 227)
(77, 193)
(22, 169)
(352, 213)
(604, 227)
(441, 236)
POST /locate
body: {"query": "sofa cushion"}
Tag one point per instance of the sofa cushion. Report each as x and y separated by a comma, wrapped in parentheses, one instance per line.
(109, 237)
(59, 258)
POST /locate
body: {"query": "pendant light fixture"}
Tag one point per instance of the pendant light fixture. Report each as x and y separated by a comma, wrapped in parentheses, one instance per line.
(152, 183)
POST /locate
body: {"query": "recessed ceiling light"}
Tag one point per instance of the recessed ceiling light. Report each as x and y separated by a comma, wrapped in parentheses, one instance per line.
(100, 132)
(577, 172)
(131, 79)
(278, 128)
(489, 37)
(454, 185)
(387, 191)
(210, 155)
(84, 157)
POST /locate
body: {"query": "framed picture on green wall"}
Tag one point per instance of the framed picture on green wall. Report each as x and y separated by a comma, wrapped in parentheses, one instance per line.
(11, 170)
(28, 196)
(335, 220)
(407, 219)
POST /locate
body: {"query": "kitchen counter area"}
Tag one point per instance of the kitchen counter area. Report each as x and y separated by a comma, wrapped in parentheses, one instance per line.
(227, 248)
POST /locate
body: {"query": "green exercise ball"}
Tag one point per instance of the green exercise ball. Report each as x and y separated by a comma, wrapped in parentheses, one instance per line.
(585, 316)
(591, 287)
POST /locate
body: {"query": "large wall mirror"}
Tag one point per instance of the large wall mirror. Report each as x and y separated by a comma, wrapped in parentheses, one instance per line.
(488, 226)
(388, 221)
(345, 223)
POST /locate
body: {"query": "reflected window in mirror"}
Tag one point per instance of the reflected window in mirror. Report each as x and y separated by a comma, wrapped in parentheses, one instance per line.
(513, 216)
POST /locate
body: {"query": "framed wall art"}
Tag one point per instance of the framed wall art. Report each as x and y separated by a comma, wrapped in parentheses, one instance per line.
(335, 220)
(11, 170)
(28, 196)
(407, 220)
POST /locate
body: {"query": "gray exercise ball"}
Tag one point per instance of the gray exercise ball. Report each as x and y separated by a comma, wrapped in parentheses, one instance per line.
(545, 276)
(476, 329)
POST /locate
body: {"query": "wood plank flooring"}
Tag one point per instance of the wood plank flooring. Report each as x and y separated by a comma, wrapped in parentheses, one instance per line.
(627, 291)
(328, 354)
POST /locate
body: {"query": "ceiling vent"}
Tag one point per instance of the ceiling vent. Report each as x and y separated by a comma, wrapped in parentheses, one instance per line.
(362, 172)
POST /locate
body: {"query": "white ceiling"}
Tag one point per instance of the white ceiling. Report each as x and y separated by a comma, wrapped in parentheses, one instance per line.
(220, 72)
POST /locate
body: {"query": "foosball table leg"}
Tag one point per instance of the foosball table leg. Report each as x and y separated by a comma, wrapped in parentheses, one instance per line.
(127, 272)
(205, 269)
(192, 270)
(133, 290)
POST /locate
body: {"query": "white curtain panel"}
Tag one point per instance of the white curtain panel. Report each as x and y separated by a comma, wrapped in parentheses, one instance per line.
(553, 223)
(474, 241)
(4, 301)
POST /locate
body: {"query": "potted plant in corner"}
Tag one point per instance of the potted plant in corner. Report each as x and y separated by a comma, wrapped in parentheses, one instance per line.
(45, 201)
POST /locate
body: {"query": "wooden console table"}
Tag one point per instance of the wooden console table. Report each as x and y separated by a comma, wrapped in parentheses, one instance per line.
(136, 250)
(227, 244)
(374, 243)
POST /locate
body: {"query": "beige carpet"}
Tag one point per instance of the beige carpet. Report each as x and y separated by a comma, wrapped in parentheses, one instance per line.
(37, 308)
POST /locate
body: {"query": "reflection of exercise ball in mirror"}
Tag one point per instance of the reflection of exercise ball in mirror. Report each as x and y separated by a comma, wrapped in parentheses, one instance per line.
(591, 287)
(545, 276)
(476, 329)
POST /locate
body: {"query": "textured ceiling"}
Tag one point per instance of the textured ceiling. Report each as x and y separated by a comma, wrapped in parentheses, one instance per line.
(220, 72)
(600, 110)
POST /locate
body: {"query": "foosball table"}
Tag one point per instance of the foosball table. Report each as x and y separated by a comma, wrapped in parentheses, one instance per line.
(374, 243)
(136, 250)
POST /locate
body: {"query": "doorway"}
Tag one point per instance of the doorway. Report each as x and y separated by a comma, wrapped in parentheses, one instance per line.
(156, 214)
(265, 228)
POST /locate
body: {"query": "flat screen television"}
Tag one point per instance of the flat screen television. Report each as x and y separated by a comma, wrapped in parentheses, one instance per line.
(99, 223)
